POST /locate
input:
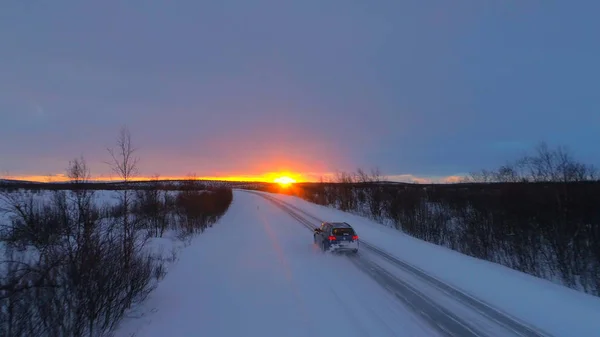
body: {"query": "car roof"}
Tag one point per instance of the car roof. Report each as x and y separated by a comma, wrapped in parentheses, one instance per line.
(340, 224)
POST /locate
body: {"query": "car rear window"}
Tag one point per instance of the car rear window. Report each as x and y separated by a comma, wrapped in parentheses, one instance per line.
(342, 231)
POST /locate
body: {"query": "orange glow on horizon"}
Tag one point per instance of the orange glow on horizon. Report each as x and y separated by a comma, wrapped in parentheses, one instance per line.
(277, 177)
(284, 179)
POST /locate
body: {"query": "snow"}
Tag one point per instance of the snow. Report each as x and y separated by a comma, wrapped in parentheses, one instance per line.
(257, 273)
(556, 309)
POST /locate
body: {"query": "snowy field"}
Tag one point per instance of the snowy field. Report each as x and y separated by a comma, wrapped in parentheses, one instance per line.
(558, 310)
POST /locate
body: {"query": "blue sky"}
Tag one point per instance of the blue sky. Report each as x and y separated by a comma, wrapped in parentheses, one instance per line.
(423, 88)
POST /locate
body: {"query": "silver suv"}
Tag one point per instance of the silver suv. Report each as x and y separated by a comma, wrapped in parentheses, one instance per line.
(336, 237)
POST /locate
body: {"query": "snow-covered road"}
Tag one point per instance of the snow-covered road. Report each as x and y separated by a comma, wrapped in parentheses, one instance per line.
(451, 311)
(257, 273)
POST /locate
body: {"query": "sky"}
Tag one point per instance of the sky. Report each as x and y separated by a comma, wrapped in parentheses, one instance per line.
(419, 89)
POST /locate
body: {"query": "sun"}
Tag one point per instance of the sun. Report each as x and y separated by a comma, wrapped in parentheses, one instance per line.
(284, 181)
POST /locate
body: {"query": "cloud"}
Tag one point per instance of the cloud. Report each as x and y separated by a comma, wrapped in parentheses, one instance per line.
(406, 178)
(409, 178)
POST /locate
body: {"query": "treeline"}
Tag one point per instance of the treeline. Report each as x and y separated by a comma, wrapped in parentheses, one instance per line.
(150, 184)
(539, 215)
(73, 265)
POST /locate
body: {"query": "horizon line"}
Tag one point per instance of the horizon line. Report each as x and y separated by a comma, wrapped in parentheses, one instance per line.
(264, 178)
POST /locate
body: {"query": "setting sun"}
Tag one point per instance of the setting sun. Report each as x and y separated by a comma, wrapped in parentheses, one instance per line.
(284, 180)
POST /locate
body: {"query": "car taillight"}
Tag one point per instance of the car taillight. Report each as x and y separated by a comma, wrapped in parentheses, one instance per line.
(331, 238)
(355, 237)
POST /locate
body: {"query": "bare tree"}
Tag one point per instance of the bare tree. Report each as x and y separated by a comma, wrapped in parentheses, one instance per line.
(125, 164)
(594, 173)
(544, 165)
(556, 165)
(483, 176)
(376, 175)
(78, 171)
(362, 176)
(152, 205)
(79, 175)
(371, 194)
(344, 190)
(508, 173)
(343, 177)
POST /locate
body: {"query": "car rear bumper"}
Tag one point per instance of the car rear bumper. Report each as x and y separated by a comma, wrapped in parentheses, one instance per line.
(344, 246)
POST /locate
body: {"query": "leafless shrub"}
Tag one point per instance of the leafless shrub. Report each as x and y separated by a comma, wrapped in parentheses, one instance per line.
(544, 165)
(153, 206)
(63, 282)
(200, 209)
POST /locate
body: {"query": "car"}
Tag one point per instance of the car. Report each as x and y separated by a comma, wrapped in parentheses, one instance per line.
(336, 237)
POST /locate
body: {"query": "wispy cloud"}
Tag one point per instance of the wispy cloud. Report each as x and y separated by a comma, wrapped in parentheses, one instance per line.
(410, 178)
